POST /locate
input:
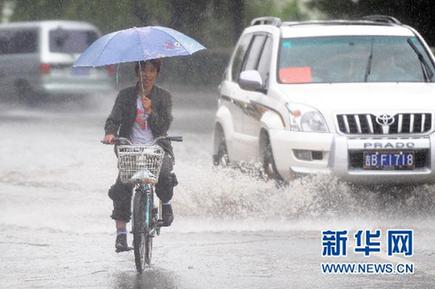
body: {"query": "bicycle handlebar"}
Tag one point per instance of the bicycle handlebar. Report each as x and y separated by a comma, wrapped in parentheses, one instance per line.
(125, 141)
(176, 138)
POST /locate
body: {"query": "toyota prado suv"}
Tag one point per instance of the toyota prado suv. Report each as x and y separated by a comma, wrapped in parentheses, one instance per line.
(354, 99)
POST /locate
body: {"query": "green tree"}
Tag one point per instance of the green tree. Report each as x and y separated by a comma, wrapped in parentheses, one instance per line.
(419, 14)
(215, 23)
(107, 15)
(292, 11)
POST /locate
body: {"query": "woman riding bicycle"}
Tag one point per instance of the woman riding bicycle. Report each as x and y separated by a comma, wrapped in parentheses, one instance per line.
(141, 114)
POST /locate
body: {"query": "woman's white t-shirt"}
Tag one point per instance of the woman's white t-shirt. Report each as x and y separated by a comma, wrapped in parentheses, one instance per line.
(141, 132)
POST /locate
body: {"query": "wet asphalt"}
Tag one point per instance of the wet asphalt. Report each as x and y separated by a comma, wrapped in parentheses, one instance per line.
(231, 229)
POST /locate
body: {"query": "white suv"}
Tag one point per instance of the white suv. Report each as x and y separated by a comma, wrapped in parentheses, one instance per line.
(354, 99)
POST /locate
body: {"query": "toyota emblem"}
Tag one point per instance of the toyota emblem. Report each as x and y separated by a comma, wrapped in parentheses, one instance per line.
(385, 119)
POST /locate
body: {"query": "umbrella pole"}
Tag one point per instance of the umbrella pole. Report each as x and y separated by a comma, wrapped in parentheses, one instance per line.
(117, 76)
(140, 79)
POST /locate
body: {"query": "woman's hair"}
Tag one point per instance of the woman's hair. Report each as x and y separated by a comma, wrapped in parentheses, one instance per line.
(157, 63)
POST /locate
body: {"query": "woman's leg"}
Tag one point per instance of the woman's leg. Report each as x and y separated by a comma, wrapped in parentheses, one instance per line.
(121, 195)
(165, 188)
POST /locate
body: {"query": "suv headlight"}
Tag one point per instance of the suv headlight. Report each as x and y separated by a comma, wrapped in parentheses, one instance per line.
(306, 119)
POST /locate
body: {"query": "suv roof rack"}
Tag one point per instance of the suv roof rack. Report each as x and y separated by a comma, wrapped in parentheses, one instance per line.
(375, 19)
(382, 18)
(268, 20)
(335, 22)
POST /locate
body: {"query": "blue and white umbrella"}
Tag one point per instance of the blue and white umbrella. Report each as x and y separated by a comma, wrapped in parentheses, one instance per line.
(137, 44)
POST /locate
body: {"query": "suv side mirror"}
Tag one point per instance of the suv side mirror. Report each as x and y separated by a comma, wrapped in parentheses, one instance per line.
(251, 80)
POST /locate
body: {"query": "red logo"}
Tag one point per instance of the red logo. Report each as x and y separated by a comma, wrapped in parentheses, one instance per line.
(171, 45)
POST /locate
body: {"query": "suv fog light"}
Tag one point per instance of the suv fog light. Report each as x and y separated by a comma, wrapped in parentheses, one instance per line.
(303, 155)
(306, 155)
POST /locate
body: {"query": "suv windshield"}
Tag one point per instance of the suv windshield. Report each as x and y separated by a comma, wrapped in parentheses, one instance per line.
(71, 41)
(352, 59)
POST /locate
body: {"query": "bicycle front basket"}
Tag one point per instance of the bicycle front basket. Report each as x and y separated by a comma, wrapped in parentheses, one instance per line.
(135, 158)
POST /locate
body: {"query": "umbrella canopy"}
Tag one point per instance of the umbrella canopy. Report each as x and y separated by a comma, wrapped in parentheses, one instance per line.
(137, 44)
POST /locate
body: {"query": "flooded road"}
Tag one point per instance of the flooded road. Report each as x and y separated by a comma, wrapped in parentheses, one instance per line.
(231, 230)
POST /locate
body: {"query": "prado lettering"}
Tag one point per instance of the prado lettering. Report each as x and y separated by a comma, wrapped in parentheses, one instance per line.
(389, 145)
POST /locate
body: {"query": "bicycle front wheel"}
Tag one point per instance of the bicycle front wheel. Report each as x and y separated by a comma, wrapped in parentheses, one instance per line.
(142, 240)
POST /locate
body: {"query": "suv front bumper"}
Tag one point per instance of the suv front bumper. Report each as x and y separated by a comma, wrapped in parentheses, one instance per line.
(341, 156)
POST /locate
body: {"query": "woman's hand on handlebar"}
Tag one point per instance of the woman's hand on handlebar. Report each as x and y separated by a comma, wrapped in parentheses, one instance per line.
(109, 139)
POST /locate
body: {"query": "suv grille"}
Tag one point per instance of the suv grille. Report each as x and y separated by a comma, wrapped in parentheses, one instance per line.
(403, 123)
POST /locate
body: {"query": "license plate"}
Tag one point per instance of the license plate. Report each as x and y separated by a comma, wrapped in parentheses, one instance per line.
(80, 71)
(398, 160)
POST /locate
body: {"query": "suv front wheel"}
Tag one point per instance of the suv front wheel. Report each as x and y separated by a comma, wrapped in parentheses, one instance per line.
(267, 159)
(221, 158)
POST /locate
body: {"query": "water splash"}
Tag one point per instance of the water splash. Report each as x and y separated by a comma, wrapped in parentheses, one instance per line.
(230, 193)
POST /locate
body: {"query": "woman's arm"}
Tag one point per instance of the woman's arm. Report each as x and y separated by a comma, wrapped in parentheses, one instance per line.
(113, 122)
(160, 120)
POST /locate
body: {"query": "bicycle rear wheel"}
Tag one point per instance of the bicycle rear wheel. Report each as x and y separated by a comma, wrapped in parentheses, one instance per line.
(142, 239)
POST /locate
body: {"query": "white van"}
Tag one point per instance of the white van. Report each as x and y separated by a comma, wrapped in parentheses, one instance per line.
(36, 61)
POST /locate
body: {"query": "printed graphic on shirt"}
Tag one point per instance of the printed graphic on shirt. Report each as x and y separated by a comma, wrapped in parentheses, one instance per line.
(141, 118)
(141, 132)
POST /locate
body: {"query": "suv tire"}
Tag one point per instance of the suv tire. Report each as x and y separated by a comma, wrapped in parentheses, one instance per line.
(267, 159)
(221, 158)
(25, 93)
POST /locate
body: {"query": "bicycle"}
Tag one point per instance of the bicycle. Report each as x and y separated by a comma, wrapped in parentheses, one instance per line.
(140, 165)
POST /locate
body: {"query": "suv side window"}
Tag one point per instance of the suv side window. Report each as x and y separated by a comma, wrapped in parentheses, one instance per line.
(239, 56)
(264, 63)
(20, 41)
(254, 53)
(71, 41)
